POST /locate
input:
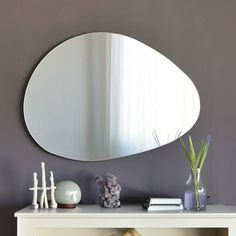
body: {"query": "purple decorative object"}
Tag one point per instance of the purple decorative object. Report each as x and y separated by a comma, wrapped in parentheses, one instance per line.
(109, 191)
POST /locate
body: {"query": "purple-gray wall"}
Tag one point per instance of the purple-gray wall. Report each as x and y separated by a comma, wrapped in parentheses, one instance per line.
(198, 36)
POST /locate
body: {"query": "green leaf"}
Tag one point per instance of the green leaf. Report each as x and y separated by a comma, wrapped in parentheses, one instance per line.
(199, 156)
(192, 152)
(186, 152)
(194, 161)
(206, 146)
(184, 147)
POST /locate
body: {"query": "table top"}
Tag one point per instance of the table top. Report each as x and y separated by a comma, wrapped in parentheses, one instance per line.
(126, 211)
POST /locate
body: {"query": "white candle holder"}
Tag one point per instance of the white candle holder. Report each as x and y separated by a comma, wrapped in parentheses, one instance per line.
(44, 189)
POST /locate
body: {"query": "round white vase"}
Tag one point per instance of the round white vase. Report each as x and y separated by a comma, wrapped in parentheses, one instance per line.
(67, 194)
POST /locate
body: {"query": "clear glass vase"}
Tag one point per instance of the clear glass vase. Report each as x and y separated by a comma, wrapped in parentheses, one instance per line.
(195, 194)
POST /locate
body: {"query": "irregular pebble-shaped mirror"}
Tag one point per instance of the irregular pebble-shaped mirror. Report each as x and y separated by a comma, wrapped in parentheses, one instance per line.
(99, 96)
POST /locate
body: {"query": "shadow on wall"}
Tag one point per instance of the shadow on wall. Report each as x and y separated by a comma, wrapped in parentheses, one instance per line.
(142, 196)
(7, 219)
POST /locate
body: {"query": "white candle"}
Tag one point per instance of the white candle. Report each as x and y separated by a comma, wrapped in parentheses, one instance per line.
(35, 191)
(53, 201)
(43, 199)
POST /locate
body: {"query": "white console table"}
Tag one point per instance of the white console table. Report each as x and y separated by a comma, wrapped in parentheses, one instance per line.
(217, 220)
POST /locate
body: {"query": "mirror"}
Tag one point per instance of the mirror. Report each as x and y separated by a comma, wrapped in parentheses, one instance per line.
(100, 95)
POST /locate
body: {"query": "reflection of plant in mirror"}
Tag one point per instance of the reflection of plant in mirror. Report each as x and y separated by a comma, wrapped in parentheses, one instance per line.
(196, 161)
(157, 140)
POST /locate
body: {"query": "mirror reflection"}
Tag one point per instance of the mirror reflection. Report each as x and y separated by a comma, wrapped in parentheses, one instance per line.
(99, 96)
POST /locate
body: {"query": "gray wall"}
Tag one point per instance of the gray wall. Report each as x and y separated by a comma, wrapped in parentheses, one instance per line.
(199, 36)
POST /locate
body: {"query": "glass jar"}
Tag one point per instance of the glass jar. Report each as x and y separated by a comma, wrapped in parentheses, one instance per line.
(195, 195)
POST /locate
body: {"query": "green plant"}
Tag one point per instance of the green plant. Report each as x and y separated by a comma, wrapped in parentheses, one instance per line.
(196, 160)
